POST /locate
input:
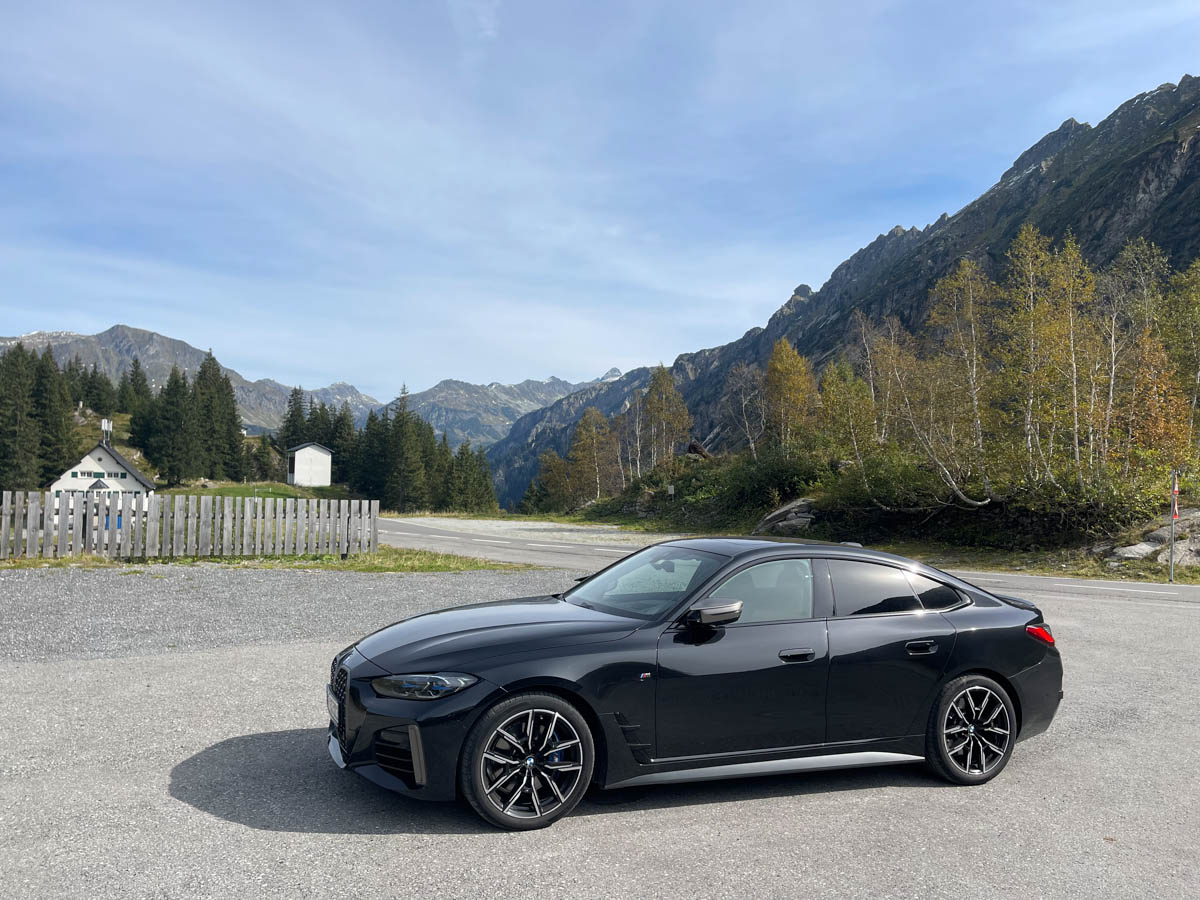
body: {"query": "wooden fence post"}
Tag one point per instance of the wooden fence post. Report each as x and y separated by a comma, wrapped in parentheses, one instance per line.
(374, 526)
(177, 523)
(32, 515)
(5, 513)
(228, 526)
(47, 524)
(204, 526)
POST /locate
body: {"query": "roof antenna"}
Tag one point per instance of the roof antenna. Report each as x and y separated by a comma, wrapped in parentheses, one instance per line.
(106, 430)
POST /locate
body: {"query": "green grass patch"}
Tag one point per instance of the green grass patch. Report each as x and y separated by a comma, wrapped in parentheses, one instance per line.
(261, 489)
(385, 559)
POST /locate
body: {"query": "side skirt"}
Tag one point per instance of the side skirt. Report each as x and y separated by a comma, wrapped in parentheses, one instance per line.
(772, 767)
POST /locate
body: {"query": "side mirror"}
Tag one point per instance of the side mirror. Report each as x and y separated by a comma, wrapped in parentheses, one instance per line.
(715, 612)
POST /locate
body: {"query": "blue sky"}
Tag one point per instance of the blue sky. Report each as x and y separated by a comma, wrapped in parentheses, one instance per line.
(407, 190)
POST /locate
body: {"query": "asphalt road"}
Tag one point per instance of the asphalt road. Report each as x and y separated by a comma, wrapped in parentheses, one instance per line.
(586, 548)
(164, 731)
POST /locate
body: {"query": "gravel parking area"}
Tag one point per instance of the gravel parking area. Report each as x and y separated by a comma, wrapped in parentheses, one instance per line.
(165, 735)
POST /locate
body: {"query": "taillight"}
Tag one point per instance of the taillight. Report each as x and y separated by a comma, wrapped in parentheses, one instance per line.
(1041, 632)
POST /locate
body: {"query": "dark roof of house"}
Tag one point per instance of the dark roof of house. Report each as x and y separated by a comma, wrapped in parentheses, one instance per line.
(124, 463)
(309, 444)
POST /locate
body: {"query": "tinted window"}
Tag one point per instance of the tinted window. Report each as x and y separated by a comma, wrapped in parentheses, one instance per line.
(771, 591)
(933, 594)
(861, 589)
(647, 583)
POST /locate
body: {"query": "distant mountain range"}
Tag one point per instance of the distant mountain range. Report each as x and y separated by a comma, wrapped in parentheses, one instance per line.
(1136, 174)
(483, 413)
(479, 413)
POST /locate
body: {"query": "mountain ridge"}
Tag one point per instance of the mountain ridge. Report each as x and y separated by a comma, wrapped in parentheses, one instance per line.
(1135, 174)
(479, 413)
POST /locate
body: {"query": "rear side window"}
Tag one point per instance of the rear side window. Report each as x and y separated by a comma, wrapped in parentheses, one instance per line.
(863, 589)
(933, 594)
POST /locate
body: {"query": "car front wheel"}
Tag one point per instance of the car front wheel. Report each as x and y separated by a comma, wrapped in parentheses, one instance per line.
(971, 730)
(527, 762)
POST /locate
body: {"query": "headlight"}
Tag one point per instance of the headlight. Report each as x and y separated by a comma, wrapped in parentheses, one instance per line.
(422, 687)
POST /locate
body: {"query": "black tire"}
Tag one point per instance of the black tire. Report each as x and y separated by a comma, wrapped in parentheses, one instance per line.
(545, 780)
(971, 732)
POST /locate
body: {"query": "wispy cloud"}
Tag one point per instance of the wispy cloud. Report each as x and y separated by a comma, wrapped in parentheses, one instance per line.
(405, 192)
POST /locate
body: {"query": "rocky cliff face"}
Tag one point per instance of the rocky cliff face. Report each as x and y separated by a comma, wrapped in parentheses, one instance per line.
(1136, 174)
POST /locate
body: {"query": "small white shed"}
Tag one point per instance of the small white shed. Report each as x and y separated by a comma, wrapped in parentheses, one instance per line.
(310, 465)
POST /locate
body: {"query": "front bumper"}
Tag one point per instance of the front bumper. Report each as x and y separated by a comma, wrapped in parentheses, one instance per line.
(408, 746)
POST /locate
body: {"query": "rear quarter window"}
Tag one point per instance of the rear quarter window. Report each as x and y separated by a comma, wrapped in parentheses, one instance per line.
(934, 594)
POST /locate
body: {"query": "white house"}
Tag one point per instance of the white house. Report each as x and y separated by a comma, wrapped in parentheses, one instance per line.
(103, 469)
(310, 465)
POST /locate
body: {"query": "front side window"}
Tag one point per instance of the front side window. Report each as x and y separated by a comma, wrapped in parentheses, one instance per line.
(647, 584)
(774, 591)
(864, 589)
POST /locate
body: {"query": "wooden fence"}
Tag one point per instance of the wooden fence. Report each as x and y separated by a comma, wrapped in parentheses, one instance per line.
(124, 526)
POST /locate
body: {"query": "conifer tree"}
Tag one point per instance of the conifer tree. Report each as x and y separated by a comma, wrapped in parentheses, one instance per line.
(20, 440)
(58, 446)
(341, 443)
(139, 386)
(294, 429)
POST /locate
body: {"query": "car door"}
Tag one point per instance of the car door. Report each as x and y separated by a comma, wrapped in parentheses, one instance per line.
(754, 684)
(886, 652)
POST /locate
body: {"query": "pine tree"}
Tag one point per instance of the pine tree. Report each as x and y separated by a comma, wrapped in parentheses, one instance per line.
(341, 443)
(124, 394)
(294, 430)
(442, 475)
(20, 440)
(99, 394)
(176, 448)
(58, 446)
(138, 385)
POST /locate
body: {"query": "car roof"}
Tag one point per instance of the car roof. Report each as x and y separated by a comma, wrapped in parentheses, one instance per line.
(745, 547)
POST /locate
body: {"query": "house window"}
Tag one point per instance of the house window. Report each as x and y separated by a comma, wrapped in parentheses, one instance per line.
(58, 493)
(74, 474)
(122, 474)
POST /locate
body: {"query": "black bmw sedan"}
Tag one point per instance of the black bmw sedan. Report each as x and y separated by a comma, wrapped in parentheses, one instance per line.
(694, 660)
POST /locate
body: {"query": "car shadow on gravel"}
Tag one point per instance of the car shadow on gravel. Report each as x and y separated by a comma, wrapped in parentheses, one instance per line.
(285, 781)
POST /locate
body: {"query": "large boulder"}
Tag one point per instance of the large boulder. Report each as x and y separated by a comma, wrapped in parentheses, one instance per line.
(1187, 553)
(789, 520)
(1136, 551)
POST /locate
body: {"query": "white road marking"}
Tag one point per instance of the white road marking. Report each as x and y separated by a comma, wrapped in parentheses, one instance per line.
(1096, 587)
(606, 550)
(555, 546)
(489, 541)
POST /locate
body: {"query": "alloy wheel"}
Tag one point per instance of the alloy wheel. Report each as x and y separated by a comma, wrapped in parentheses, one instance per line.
(531, 763)
(977, 730)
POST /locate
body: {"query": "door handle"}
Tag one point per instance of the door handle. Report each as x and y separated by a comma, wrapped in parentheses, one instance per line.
(921, 648)
(807, 654)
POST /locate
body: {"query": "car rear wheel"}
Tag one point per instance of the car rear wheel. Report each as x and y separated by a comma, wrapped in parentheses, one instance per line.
(971, 730)
(527, 762)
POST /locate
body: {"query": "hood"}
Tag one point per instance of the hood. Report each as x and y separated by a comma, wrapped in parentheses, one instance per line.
(458, 638)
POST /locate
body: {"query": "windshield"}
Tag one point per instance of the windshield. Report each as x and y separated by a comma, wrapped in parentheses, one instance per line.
(647, 584)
